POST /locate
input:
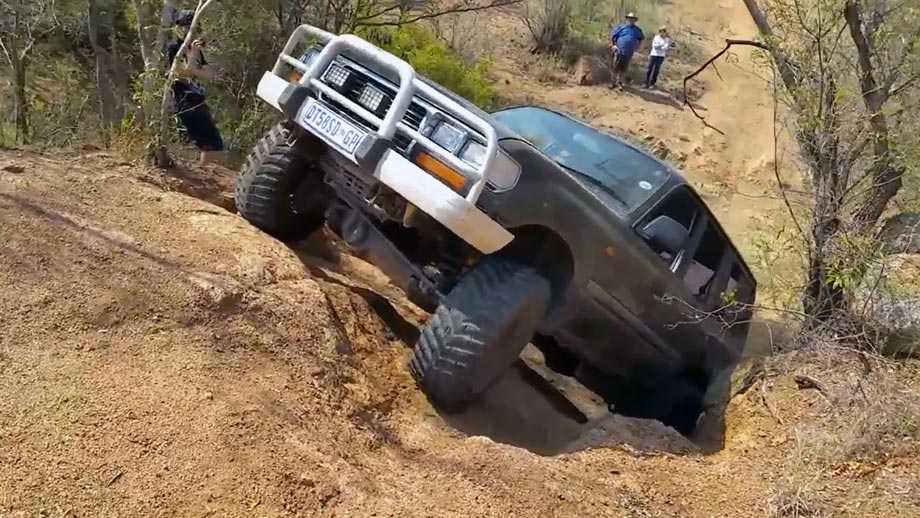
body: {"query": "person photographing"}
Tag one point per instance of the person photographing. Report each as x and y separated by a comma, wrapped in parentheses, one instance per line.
(188, 94)
(661, 43)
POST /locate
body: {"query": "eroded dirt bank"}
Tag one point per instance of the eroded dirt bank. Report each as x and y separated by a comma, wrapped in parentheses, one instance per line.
(159, 357)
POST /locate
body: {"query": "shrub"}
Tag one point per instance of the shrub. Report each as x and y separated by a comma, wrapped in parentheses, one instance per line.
(431, 57)
(548, 23)
(577, 46)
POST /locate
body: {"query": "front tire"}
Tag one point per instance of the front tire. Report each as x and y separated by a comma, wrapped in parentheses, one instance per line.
(478, 330)
(278, 190)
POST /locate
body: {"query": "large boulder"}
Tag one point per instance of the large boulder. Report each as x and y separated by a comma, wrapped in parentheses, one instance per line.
(901, 233)
(890, 296)
(592, 70)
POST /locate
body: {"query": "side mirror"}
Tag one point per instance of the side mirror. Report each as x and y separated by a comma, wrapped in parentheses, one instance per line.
(665, 234)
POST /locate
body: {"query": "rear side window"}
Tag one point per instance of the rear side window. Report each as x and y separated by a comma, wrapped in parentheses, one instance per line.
(702, 268)
(707, 265)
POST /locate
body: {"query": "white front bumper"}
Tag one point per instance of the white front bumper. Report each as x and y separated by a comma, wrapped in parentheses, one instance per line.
(419, 188)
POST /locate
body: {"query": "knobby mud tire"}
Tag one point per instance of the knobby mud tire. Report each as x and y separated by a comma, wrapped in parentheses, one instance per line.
(478, 330)
(267, 185)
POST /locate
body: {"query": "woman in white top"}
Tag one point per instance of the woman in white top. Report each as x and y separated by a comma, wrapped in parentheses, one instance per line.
(660, 45)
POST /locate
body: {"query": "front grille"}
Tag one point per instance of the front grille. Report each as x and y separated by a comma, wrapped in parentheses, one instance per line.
(413, 118)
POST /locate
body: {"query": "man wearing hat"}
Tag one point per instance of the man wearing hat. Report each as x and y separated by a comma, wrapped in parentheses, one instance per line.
(188, 94)
(626, 39)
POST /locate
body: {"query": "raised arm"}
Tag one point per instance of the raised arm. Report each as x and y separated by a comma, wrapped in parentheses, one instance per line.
(196, 66)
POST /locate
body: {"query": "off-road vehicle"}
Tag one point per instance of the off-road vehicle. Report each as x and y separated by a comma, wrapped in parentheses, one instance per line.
(523, 225)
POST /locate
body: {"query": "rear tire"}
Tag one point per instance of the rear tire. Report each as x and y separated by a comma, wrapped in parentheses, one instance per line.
(678, 403)
(278, 190)
(478, 330)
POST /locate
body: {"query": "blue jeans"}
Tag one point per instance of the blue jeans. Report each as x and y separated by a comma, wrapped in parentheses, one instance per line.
(654, 66)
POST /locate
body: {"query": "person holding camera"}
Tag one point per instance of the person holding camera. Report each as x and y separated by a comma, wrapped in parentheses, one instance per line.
(188, 94)
(660, 46)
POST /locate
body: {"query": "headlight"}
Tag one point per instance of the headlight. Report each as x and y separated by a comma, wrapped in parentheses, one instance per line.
(505, 172)
(309, 57)
(474, 154)
(448, 136)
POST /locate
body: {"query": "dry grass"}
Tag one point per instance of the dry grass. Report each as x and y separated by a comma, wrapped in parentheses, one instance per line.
(854, 420)
(797, 502)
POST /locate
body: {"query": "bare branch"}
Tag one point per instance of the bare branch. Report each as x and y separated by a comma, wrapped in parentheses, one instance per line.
(457, 9)
(728, 45)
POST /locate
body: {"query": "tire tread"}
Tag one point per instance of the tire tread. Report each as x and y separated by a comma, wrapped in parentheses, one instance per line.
(263, 188)
(460, 338)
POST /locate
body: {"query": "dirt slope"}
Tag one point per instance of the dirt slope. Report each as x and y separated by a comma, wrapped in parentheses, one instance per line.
(159, 357)
(158, 354)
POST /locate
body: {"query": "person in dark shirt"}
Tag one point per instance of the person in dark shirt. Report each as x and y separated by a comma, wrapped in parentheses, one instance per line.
(626, 39)
(188, 93)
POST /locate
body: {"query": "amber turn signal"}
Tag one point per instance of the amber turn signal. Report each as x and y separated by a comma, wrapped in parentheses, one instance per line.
(295, 76)
(441, 171)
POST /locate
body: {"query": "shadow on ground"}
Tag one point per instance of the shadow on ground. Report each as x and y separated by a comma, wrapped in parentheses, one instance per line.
(522, 408)
(214, 185)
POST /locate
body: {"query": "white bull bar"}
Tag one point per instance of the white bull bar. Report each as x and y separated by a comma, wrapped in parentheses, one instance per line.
(409, 86)
(456, 212)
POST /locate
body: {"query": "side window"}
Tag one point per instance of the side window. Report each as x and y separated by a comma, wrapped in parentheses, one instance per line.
(701, 269)
(738, 294)
(678, 206)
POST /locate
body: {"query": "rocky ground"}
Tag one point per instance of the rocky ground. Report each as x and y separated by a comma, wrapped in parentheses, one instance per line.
(160, 357)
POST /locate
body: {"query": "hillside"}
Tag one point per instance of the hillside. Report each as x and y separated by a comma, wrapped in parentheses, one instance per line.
(162, 357)
(734, 171)
(160, 353)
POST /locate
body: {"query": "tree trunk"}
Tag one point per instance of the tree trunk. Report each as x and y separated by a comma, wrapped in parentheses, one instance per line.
(106, 95)
(117, 67)
(19, 62)
(166, 20)
(160, 152)
(885, 174)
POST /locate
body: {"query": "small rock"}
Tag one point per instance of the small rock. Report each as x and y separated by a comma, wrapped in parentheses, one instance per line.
(684, 137)
(15, 169)
(661, 150)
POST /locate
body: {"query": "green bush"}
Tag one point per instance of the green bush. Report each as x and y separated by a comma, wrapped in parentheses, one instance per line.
(418, 45)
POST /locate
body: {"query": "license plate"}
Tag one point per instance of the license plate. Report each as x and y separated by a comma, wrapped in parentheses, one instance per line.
(331, 127)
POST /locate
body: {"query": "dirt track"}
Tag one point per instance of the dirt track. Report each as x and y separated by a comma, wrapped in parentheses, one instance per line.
(159, 357)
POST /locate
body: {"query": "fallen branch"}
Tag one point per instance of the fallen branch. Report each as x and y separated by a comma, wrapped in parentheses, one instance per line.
(729, 43)
(766, 403)
(807, 382)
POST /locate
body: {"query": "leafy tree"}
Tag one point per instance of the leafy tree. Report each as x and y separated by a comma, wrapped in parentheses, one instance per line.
(849, 71)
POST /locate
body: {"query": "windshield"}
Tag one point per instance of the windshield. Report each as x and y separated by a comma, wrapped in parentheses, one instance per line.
(628, 175)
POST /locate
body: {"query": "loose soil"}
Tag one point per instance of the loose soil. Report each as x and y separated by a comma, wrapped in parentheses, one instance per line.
(161, 357)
